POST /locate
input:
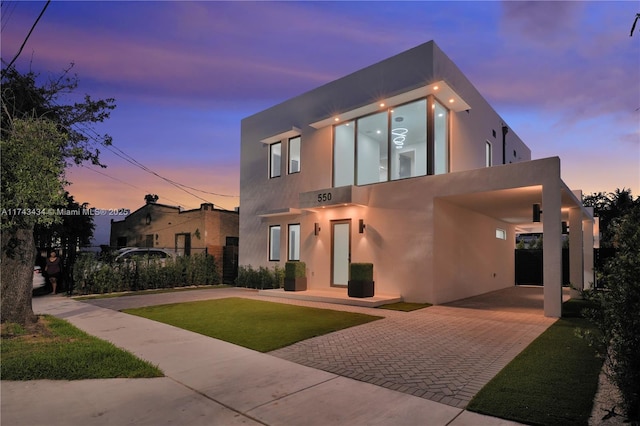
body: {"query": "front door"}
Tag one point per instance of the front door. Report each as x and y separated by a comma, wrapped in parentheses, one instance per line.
(340, 251)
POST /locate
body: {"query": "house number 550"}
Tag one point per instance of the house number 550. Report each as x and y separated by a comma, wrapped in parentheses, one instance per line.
(324, 196)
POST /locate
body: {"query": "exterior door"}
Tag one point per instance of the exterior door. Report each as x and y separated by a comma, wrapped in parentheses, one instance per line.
(340, 252)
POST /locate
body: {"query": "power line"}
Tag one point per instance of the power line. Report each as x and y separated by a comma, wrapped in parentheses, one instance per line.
(7, 14)
(27, 38)
(126, 183)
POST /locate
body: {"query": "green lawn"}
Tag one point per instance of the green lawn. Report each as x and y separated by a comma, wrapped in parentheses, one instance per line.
(552, 382)
(262, 326)
(404, 306)
(56, 350)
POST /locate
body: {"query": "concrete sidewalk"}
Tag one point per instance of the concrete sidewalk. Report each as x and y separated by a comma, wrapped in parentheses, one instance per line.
(208, 382)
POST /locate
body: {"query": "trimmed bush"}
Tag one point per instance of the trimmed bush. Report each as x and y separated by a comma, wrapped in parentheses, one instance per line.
(295, 270)
(362, 271)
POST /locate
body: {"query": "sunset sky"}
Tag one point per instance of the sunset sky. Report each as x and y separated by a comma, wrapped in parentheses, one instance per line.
(564, 76)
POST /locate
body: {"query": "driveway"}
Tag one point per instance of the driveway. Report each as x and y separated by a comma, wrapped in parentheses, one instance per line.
(444, 353)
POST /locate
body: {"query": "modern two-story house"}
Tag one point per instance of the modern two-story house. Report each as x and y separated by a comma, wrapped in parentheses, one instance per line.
(404, 165)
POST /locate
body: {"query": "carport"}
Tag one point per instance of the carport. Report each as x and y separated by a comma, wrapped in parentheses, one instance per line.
(509, 194)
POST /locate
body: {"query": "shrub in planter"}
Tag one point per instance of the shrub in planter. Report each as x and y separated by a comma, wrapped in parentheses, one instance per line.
(295, 278)
(361, 282)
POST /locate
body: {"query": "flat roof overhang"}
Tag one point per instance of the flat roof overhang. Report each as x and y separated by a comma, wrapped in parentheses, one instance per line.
(515, 205)
(287, 211)
(440, 89)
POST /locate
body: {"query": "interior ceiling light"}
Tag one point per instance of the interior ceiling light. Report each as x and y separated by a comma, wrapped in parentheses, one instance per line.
(435, 87)
(451, 100)
(381, 104)
(336, 119)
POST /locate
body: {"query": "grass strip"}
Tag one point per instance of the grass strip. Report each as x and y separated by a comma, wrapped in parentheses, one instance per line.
(56, 350)
(552, 382)
(404, 306)
(254, 324)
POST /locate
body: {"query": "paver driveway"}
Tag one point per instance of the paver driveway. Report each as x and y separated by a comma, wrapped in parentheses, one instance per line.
(442, 353)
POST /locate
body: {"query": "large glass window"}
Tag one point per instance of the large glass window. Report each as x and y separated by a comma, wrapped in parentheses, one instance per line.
(441, 139)
(274, 242)
(409, 140)
(294, 155)
(402, 142)
(372, 149)
(344, 144)
(294, 241)
(275, 156)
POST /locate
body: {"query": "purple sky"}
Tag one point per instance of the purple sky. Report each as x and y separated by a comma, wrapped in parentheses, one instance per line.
(564, 76)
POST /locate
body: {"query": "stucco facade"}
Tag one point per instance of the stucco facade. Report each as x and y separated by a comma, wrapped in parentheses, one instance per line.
(437, 185)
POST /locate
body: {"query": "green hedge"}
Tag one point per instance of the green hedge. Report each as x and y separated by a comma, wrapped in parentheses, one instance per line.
(261, 278)
(95, 277)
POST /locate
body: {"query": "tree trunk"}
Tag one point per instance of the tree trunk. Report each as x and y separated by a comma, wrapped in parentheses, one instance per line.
(18, 256)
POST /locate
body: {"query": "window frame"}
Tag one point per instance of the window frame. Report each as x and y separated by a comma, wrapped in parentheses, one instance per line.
(291, 257)
(274, 250)
(272, 162)
(289, 156)
(488, 154)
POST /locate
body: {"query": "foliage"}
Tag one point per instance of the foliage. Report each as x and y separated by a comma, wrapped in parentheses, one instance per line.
(261, 278)
(59, 351)
(618, 310)
(31, 171)
(552, 382)
(361, 271)
(295, 270)
(23, 96)
(96, 277)
(40, 135)
(609, 207)
(72, 231)
(255, 324)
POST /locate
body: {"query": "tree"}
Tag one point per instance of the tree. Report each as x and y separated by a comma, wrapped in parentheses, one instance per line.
(40, 137)
(150, 198)
(618, 311)
(609, 207)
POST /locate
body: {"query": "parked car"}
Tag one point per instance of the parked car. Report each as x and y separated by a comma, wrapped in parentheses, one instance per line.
(152, 254)
(38, 279)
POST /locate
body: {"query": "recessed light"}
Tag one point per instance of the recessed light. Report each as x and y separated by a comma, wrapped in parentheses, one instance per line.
(435, 87)
(381, 104)
(451, 100)
(336, 119)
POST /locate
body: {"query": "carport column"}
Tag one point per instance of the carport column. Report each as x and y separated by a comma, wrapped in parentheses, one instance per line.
(552, 245)
(587, 245)
(576, 267)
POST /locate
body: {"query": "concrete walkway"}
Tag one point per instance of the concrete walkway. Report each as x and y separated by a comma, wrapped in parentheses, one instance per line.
(453, 350)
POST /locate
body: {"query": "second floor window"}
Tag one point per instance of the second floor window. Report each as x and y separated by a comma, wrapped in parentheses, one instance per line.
(275, 159)
(405, 141)
(294, 155)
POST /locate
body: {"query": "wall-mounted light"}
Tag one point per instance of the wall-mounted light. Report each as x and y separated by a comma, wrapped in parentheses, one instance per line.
(316, 228)
(536, 212)
(361, 226)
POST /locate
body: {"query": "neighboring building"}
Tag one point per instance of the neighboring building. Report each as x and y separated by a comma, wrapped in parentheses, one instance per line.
(206, 229)
(405, 165)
